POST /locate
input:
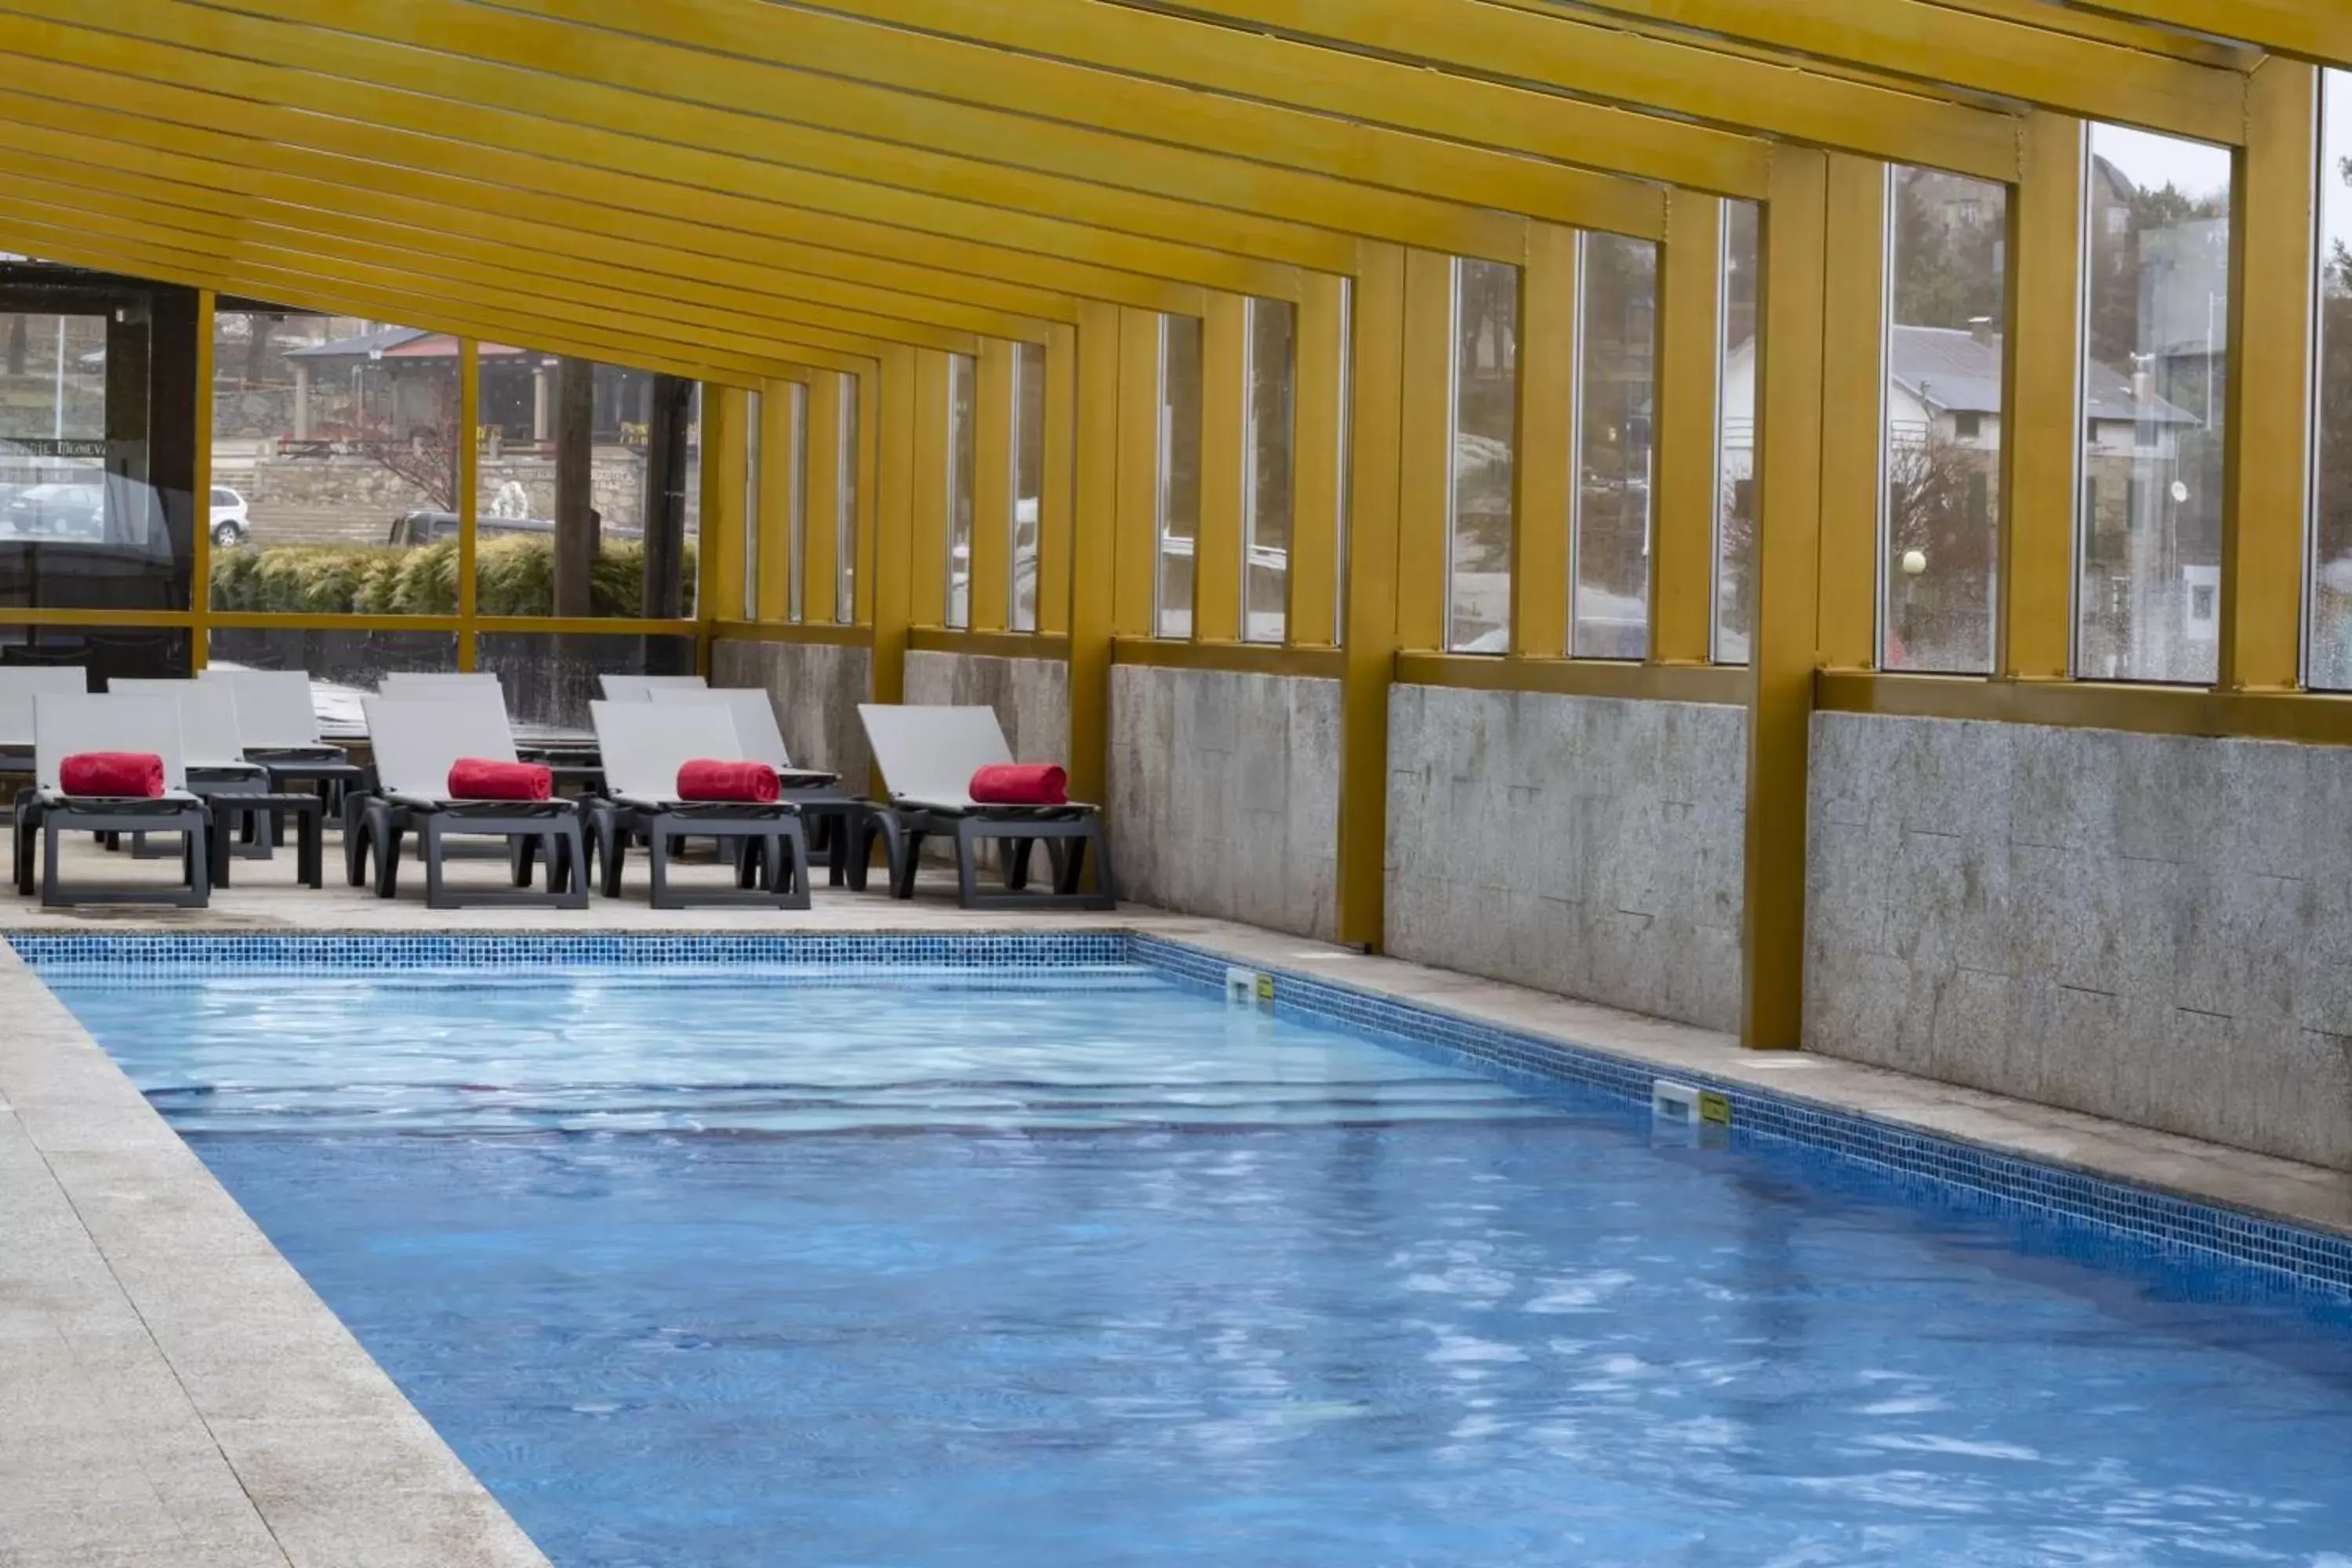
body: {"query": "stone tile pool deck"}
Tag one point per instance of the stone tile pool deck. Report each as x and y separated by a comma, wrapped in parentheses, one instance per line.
(173, 1393)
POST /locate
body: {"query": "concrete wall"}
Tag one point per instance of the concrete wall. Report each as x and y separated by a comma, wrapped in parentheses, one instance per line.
(1225, 794)
(1579, 845)
(816, 688)
(2156, 928)
(1030, 696)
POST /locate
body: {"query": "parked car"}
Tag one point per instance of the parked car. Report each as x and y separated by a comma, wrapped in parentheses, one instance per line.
(411, 530)
(58, 510)
(231, 518)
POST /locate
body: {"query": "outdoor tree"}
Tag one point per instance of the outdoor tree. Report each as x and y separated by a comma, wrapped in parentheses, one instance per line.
(426, 458)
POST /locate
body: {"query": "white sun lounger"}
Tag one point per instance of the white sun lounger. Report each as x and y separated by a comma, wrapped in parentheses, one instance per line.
(273, 711)
(64, 725)
(20, 684)
(755, 726)
(417, 744)
(641, 688)
(645, 745)
(928, 756)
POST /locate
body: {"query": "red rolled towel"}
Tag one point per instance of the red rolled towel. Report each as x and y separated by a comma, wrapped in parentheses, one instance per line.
(707, 778)
(115, 775)
(1020, 784)
(483, 778)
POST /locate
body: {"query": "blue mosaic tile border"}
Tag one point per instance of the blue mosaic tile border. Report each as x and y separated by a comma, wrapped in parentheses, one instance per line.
(1922, 1161)
(1946, 1168)
(136, 951)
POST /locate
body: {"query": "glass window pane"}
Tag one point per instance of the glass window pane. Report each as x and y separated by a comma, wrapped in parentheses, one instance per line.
(1028, 481)
(1180, 469)
(335, 465)
(1267, 492)
(1485, 426)
(963, 458)
(2331, 529)
(575, 461)
(1617, 323)
(550, 677)
(1734, 435)
(96, 509)
(2156, 316)
(845, 599)
(1940, 512)
(343, 666)
(107, 653)
(796, 499)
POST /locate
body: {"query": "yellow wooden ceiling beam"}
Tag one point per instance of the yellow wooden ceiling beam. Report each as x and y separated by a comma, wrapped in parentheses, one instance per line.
(429, 110)
(1614, 64)
(2114, 30)
(1932, 43)
(135, 204)
(238, 136)
(1246, 70)
(539, 249)
(2318, 30)
(888, 83)
(77, 69)
(163, 264)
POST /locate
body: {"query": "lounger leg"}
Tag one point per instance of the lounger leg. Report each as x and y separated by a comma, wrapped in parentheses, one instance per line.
(28, 827)
(383, 838)
(967, 853)
(1015, 852)
(201, 854)
(49, 864)
(755, 863)
(220, 841)
(1106, 885)
(429, 845)
(657, 864)
(791, 849)
(311, 849)
(521, 849)
(614, 844)
(569, 879)
(908, 860)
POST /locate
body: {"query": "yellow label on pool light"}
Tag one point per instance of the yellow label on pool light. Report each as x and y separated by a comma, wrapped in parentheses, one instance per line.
(1715, 1108)
(1265, 987)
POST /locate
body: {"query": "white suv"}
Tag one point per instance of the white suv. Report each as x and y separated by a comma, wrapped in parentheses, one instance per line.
(230, 522)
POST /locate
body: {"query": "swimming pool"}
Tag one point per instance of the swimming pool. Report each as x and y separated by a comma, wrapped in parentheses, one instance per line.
(840, 1264)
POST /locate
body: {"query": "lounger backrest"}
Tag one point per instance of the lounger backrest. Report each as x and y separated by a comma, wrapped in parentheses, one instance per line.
(209, 733)
(401, 679)
(645, 744)
(416, 742)
(930, 753)
(21, 683)
(641, 688)
(64, 725)
(273, 711)
(755, 721)
(487, 699)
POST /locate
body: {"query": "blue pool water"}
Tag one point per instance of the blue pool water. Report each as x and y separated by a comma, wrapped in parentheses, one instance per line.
(898, 1269)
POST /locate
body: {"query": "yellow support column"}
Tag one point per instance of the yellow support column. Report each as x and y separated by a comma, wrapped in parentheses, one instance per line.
(1690, 356)
(1095, 535)
(1136, 561)
(890, 580)
(2273, 244)
(1057, 501)
(992, 505)
(2041, 432)
(1378, 412)
(725, 470)
(1544, 454)
(468, 437)
(200, 548)
(927, 575)
(1852, 412)
(1426, 465)
(1788, 583)
(821, 492)
(1318, 461)
(1217, 553)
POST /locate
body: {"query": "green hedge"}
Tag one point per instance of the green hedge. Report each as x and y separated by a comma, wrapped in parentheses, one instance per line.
(514, 574)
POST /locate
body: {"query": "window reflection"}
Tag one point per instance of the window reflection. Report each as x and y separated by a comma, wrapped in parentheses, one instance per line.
(1028, 482)
(1179, 470)
(2331, 529)
(1484, 428)
(963, 455)
(1945, 359)
(1267, 492)
(1735, 469)
(1617, 321)
(2156, 320)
